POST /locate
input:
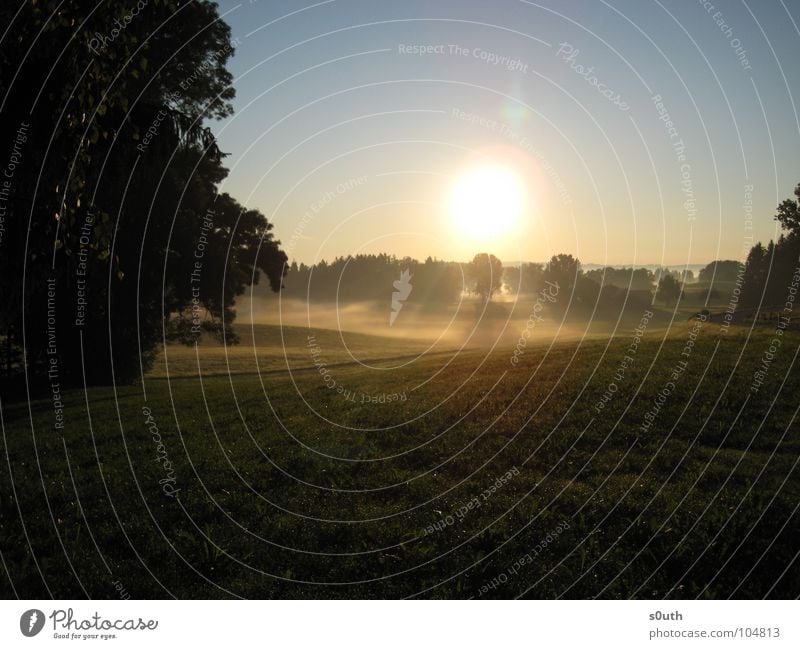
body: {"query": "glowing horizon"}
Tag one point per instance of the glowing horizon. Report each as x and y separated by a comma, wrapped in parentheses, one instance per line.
(354, 121)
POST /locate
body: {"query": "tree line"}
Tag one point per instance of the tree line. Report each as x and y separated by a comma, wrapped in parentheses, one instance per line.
(768, 270)
(764, 278)
(369, 277)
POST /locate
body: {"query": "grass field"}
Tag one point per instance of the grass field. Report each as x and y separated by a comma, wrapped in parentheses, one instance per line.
(421, 471)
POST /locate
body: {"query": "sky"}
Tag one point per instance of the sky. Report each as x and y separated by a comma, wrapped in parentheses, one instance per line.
(636, 131)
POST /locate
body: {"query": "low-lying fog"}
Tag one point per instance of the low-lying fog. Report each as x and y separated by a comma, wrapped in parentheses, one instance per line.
(470, 323)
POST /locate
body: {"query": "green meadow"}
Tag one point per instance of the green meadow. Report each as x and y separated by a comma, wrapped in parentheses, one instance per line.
(356, 465)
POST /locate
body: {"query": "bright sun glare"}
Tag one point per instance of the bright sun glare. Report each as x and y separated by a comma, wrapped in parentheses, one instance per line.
(487, 201)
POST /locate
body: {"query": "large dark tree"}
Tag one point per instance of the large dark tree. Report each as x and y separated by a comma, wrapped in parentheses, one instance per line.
(114, 189)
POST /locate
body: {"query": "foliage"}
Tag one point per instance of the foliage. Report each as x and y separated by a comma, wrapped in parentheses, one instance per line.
(769, 273)
(525, 279)
(636, 279)
(118, 170)
(669, 290)
(486, 274)
(788, 213)
(720, 271)
(371, 277)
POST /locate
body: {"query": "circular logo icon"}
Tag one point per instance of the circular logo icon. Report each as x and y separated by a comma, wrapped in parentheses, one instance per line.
(31, 622)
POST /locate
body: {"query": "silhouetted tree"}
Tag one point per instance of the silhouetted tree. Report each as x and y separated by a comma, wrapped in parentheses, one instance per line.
(788, 213)
(564, 270)
(525, 279)
(486, 272)
(669, 289)
(720, 271)
(756, 272)
(769, 269)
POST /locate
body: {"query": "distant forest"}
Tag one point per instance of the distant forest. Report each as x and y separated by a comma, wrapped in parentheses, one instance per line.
(762, 279)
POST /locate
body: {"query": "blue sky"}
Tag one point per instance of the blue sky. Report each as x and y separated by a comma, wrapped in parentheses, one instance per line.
(350, 143)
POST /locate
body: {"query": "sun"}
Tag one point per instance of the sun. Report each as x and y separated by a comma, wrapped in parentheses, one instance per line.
(487, 201)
